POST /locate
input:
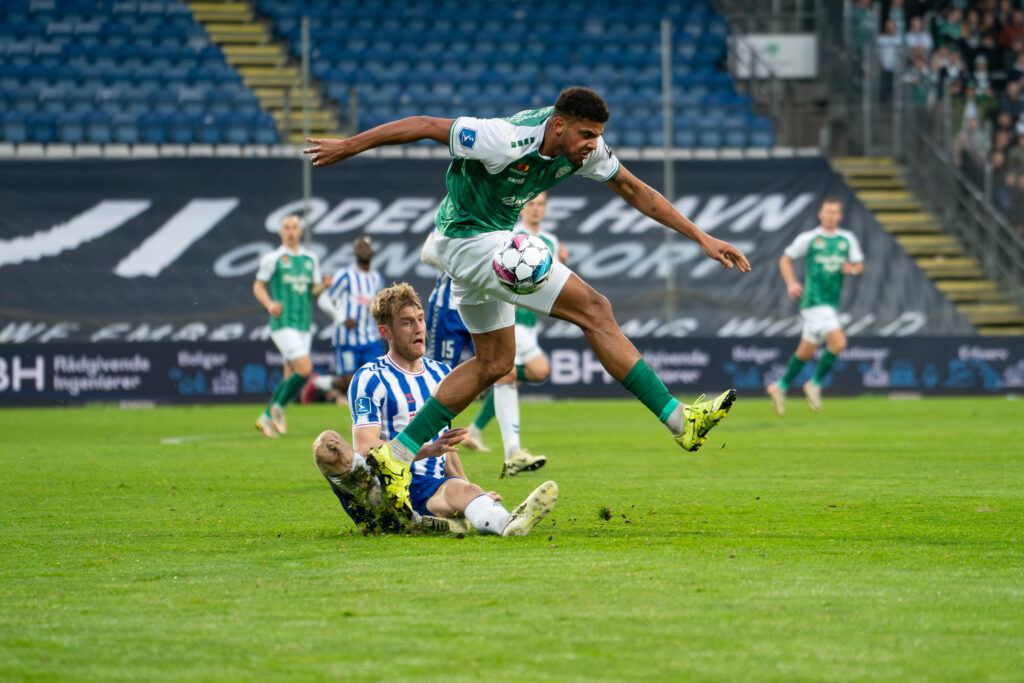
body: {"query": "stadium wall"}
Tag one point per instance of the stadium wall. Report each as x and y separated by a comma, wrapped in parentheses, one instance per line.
(165, 250)
(208, 372)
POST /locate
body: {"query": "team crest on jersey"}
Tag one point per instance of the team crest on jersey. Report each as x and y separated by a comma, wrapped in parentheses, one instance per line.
(523, 168)
(363, 405)
(467, 138)
(562, 172)
(819, 242)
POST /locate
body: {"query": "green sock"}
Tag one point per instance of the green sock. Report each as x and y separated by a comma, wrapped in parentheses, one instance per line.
(792, 370)
(824, 365)
(521, 373)
(645, 385)
(428, 421)
(276, 396)
(486, 413)
(293, 385)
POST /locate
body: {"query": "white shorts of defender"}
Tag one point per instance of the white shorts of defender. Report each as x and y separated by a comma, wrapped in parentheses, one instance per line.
(819, 321)
(484, 303)
(291, 343)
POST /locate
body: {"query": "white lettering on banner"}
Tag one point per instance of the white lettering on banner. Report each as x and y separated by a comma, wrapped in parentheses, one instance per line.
(144, 333)
(348, 215)
(190, 332)
(855, 328)
(659, 358)
(261, 333)
(773, 212)
(60, 330)
(855, 353)
(982, 354)
(718, 210)
(655, 263)
(173, 238)
(755, 354)
(12, 374)
(560, 208)
(111, 331)
(19, 333)
(105, 217)
(201, 359)
(612, 260)
(616, 210)
(685, 205)
(242, 260)
(317, 207)
(94, 366)
(707, 266)
(395, 219)
(426, 222)
(907, 323)
(76, 385)
(569, 366)
(228, 332)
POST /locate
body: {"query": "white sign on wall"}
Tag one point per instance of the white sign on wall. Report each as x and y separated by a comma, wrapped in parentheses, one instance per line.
(787, 55)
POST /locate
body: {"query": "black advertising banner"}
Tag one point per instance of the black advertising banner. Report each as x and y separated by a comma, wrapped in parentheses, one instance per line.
(63, 374)
(166, 250)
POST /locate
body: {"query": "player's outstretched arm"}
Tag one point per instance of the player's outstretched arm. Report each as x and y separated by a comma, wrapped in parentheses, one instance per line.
(650, 202)
(793, 288)
(325, 152)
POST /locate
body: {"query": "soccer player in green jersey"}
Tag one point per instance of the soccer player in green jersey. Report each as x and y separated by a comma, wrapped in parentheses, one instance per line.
(287, 281)
(498, 166)
(829, 253)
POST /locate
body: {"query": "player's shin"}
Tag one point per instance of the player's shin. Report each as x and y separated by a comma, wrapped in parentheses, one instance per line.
(824, 365)
(506, 408)
(486, 515)
(429, 420)
(793, 369)
(651, 391)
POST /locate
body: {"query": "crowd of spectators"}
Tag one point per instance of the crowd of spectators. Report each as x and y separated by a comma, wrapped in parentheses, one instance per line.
(972, 51)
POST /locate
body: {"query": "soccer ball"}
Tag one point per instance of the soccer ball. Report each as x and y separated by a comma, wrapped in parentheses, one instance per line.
(522, 263)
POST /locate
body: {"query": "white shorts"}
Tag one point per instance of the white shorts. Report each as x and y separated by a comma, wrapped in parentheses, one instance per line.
(527, 347)
(819, 321)
(484, 303)
(291, 343)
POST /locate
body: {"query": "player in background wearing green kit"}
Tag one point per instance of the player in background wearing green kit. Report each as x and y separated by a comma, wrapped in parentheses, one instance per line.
(530, 363)
(829, 253)
(287, 281)
(498, 166)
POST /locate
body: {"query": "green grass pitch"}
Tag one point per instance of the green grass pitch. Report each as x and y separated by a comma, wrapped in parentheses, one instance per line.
(878, 540)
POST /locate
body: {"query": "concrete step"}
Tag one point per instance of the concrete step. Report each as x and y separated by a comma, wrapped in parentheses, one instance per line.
(317, 117)
(893, 205)
(848, 162)
(930, 245)
(962, 267)
(1001, 330)
(992, 313)
(246, 55)
(268, 77)
(221, 32)
(904, 195)
(863, 183)
(221, 11)
(903, 222)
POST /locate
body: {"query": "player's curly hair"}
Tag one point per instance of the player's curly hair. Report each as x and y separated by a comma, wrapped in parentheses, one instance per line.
(581, 103)
(391, 300)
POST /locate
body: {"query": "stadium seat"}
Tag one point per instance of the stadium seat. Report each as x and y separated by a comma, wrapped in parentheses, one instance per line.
(69, 128)
(97, 127)
(15, 126)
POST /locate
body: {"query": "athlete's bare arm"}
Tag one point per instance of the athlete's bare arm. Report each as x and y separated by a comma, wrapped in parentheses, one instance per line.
(650, 202)
(325, 152)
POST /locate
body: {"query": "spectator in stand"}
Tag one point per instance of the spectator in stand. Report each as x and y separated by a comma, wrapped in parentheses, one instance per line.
(1002, 141)
(973, 105)
(971, 34)
(1011, 101)
(1016, 212)
(969, 150)
(898, 14)
(919, 39)
(1015, 158)
(861, 29)
(922, 85)
(1004, 193)
(1012, 31)
(1016, 71)
(982, 79)
(948, 29)
(1004, 122)
(998, 162)
(890, 51)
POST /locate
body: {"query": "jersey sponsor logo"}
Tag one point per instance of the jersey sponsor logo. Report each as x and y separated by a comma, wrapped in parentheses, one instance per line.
(522, 143)
(562, 172)
(819, 242)
(517, 181)
(843, 246)
(309, 265)
(467, 138)
(523, 168)
(363, 405)
(518, 202)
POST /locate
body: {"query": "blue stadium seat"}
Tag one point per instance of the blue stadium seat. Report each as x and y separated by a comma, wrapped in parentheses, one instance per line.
(98, 127)
(42, 127)
(180, 128)
(14, 126)
(234, 129)
(69, 128)
(152, 129)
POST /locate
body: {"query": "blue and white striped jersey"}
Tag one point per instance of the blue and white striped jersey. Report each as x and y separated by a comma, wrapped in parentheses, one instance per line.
(350, 296)
(383, 394)
(441, 297)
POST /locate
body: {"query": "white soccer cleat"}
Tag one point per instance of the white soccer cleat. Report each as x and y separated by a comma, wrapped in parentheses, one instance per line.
(473, 442)
(778, 397)
(523, 460)
(813, 393)
(264, 425)
(536, 506)
(277, 418)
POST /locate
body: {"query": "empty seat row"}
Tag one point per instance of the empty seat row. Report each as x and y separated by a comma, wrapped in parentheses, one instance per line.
(102, 128)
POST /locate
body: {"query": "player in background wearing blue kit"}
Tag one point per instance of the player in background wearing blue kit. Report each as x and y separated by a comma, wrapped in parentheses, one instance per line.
(383, 396)
(347, 302)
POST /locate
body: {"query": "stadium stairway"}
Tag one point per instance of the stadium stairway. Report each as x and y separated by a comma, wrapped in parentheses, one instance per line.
(880, 185)
(266, 68)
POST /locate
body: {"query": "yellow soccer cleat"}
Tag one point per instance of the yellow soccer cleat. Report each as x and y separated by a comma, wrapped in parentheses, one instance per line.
(701, 417)
(523, 460)
(395, 477)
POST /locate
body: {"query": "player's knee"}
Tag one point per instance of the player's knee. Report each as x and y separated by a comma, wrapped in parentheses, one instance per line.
(837, 346)
(597, 311)
(331, 453)
(493, 369)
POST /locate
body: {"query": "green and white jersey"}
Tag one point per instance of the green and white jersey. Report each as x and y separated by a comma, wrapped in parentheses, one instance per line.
(525, 317)
(824, 256)
(290, 276)
(497, 168)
